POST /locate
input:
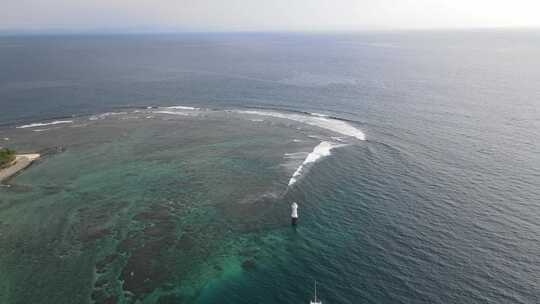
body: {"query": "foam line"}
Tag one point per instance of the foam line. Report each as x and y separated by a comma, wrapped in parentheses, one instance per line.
(105, 115)
(320, 151)
(327, 123)
(181, 108)
(170, 112)
(319, 114)
(41, 124)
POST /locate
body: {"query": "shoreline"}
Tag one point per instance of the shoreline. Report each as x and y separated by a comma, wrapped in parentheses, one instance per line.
(21, 162)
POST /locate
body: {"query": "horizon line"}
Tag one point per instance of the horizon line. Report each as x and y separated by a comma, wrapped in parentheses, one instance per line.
(156, 31)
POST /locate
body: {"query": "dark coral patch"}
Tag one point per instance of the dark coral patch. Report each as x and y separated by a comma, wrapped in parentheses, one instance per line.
(100, 283)
(170, 299)
(145, 269)
(249, 265)
(247, 252)
(100, 266)
(109, 300)
(91, 234)
(100, 297)
(128, 244)
(160, 229)
(157, 213)
(186, 242)
(95, 223)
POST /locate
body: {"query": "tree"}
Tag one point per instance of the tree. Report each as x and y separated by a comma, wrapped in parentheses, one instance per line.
(6, 157)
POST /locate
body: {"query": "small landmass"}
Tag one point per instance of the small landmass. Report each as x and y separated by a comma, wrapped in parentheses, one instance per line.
(11, 163)
(7, 156)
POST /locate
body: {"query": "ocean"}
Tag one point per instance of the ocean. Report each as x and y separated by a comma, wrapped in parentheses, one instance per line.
(170, 162)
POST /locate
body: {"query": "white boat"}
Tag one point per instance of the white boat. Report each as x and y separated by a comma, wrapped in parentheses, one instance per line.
(315, 300)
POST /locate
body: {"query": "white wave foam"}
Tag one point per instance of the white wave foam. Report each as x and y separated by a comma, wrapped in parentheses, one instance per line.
(182, 108)
(170, 112)
(295, 155)
(41, 124)
(176, 110)
(318, 114)
(327, 123)
(321, 150)
(105, 115)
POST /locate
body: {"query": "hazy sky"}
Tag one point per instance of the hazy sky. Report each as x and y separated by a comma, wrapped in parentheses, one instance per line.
(260, 15)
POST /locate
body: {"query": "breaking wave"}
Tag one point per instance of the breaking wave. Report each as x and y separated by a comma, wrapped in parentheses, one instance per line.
(318, 120)
(175, 110)
(181, 108)
(321, 150)
(323, 121)
(41, 124)
(170, 112)
(105, 115)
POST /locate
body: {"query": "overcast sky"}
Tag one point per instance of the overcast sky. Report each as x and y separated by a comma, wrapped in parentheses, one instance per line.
(261, 15)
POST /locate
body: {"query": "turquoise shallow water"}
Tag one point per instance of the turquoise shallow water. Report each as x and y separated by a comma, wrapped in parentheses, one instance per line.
(438, 205)
(150, 207)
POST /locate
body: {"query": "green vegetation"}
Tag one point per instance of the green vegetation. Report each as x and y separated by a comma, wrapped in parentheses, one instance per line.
(6, 157)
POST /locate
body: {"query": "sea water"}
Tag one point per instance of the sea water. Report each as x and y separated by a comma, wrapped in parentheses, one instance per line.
(170, 161)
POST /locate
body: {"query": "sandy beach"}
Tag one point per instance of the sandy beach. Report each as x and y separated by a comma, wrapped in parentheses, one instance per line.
(21, 162)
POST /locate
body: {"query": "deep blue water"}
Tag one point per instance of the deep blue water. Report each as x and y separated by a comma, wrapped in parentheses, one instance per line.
(440, 205)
